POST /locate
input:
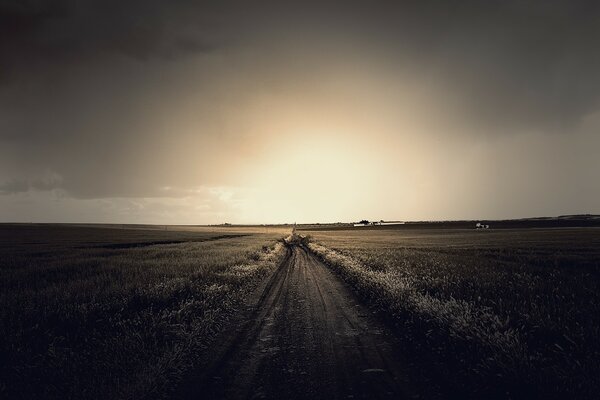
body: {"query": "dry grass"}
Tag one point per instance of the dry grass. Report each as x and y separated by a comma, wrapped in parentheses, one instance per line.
(500, 311)
(103, 313)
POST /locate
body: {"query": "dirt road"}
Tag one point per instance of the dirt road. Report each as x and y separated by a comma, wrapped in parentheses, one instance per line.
(307, 338)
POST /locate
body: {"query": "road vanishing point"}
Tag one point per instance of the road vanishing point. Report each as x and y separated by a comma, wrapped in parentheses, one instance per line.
(306, 337)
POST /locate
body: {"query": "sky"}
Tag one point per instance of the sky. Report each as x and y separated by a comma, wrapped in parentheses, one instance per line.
(200, 112)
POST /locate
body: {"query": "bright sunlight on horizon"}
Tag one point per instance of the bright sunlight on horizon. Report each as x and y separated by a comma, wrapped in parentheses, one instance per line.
(309, 114)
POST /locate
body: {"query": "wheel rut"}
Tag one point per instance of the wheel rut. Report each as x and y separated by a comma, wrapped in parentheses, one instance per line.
(308, 338)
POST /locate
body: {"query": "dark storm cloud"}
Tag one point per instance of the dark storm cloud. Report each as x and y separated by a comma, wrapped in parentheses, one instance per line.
(76, 80)
(45, 183)
(82, 80)
(516, 64)
(14, 186)
(43, 34)
(530, 62)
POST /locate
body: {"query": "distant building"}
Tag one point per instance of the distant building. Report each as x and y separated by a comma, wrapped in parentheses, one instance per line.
(377, 223)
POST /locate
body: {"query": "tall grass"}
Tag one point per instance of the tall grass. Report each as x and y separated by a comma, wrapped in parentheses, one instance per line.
(508, 311)
(79, 319)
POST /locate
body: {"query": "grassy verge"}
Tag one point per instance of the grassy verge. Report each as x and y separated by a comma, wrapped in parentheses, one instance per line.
(511, 316)
(94, 321)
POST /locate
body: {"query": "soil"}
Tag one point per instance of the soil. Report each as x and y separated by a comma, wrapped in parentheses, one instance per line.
(306, 337)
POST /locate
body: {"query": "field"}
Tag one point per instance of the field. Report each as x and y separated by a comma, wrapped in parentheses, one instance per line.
(496, 313)
(124, 312)
(118, 313)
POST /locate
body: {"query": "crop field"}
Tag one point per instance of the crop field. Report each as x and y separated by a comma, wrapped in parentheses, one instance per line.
(127, 312)
(118, 313)
(498, 313)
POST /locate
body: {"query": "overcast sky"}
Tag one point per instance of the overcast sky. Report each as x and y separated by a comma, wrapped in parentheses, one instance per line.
(189, 112)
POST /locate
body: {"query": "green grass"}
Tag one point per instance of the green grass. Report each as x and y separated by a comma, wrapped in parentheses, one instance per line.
(502, 311)
(112, 313)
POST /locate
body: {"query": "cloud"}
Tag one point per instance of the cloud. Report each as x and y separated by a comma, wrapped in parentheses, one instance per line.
(511, 66)
(200, 207)
(124, 99)
(41, 35)
(48, 182)
(14, 186)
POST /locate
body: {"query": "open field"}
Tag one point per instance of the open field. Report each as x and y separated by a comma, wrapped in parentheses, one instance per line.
(491, 313)
(564, 221)
(117, 313)
(235, 312)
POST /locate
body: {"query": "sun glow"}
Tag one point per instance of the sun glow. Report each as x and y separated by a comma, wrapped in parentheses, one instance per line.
(310, 176)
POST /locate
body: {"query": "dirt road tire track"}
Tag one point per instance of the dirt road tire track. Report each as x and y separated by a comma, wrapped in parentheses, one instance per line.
(307, 338)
